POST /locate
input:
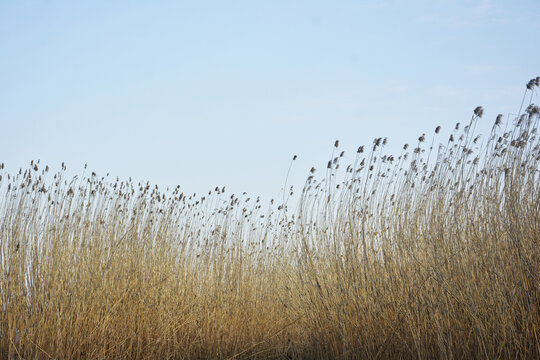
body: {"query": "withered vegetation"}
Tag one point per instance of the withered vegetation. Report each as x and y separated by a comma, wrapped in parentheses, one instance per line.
(430, 253)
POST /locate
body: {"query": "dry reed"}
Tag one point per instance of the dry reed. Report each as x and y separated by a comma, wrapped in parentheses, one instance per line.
(403, 257)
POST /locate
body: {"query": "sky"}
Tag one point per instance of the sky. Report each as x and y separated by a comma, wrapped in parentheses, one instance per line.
(207, 93)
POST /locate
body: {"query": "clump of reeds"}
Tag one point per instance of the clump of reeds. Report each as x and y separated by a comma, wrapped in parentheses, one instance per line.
(430, 253)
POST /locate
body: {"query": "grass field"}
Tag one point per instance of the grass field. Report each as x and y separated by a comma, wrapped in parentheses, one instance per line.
(430, 253)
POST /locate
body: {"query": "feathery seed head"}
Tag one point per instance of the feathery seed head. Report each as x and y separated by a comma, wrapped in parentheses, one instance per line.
(479, 111)
(532, 109)
(498, 120)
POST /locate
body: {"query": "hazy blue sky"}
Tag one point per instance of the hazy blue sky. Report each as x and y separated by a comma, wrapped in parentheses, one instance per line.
(207, 93)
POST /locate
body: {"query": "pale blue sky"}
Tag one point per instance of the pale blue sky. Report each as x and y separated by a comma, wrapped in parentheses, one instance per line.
(207, 93)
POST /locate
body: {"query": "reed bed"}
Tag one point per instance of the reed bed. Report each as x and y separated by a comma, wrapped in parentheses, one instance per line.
(430, 253)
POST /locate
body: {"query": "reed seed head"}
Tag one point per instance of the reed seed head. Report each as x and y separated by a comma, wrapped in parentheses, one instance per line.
(479, 111)
(498, 120)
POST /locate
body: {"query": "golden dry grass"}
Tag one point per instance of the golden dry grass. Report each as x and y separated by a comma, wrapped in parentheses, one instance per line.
(433, 253)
